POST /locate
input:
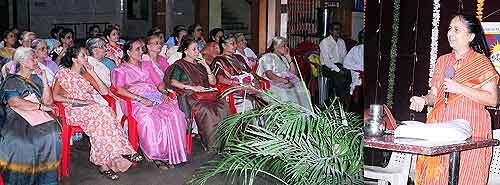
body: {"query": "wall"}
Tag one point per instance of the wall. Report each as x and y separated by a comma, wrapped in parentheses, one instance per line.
(137, 28)
(45, 13)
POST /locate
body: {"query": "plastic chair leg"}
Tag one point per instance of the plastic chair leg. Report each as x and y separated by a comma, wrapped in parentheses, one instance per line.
(66, 136)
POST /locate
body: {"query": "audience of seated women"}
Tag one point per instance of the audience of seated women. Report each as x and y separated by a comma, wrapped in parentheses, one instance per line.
(75, 87)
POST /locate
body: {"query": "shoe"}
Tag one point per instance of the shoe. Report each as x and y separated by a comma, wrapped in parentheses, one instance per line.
(163, 165)
(135, 158)
(110, 174)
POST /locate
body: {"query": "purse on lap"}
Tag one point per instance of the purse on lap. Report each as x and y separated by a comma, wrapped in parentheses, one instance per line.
(33, 117)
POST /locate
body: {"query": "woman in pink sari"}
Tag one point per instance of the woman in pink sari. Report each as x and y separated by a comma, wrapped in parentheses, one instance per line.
(161, 125)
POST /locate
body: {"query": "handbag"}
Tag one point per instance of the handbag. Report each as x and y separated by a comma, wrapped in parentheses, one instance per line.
(33, 117)
(205, 96)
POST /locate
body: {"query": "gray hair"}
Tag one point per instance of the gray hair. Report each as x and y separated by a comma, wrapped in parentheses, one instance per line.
(238, 35)
(37, 42)
(276, 42)
(21, 54)
(26, 34)
(94, 43)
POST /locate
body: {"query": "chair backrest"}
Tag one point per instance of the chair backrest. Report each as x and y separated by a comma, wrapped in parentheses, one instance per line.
(400, 161)
(494, 177)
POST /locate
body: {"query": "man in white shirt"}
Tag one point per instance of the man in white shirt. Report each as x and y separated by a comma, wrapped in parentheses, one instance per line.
(354, 62)
(332, 53)
(333, 49)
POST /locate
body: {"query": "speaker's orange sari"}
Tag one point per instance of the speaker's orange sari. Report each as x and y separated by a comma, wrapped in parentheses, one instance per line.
(473, 70)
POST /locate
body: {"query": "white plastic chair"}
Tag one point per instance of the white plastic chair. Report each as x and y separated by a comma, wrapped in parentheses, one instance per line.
(494, 178)
(396, 172)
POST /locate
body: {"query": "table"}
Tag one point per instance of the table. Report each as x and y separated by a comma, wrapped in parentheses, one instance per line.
(387, 142)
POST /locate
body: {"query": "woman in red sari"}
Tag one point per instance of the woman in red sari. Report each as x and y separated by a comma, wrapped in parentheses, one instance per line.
(473, 86)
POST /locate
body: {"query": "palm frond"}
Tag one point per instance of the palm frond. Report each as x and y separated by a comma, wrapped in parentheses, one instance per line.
(294, 146)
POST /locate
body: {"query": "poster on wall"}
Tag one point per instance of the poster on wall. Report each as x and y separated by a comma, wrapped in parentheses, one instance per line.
(492, 33)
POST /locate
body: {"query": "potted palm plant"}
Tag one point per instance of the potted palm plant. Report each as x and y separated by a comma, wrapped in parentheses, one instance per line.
(289, 144)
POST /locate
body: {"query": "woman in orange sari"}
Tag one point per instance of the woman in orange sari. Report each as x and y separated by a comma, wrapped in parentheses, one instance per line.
(472, 87)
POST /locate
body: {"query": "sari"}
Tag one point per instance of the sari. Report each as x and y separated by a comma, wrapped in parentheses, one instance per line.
(161, 127)
(474, 70)
(107, 139)
(208, 113)
(37, 160)
(233, 67)
(296, 94)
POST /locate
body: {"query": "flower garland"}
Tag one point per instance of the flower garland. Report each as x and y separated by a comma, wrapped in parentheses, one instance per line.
(434, 38)
(480, 4)
(364, 14)
(394, 53)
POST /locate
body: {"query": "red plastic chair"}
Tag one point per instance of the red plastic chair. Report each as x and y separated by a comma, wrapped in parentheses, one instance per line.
(221, 88)
(127, 116)
(132, 123)
(68, 130)
(189, 138)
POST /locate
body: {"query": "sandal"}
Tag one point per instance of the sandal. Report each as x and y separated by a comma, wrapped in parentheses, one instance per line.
(135, 158)
(110, 174)
(163, 165)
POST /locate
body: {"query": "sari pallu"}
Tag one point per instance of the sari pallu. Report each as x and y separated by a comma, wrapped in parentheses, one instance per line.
(474, 71)
(35, 163)
(231, 67)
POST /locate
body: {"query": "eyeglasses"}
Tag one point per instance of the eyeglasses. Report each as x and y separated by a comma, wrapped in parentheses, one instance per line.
(199, 30)
(42, 48)
(154, 43)
(69, 37)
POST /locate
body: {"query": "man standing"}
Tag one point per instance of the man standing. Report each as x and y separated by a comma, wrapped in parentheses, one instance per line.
(332, 53)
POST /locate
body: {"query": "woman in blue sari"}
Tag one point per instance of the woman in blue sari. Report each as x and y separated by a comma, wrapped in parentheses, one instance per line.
(29, 154)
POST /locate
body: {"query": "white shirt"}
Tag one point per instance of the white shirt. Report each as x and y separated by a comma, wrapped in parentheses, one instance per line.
(174, 57)
(332, 52)
(354, 61)
(101, 70)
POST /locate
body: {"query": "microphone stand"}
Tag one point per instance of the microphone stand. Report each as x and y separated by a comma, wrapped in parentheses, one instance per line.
(379, 54)
(415, 58)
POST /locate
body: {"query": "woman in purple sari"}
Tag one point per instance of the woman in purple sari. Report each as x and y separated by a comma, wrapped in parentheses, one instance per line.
(160, 123)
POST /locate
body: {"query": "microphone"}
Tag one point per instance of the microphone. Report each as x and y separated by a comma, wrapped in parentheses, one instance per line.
(449, 72)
